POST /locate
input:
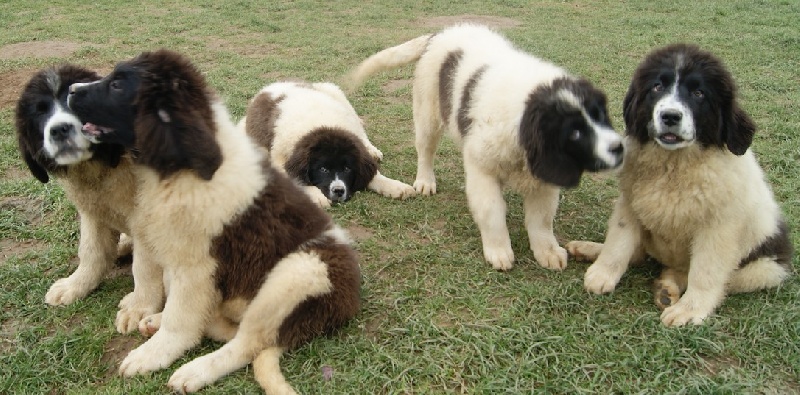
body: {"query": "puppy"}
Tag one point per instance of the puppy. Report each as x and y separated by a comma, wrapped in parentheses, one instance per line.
(238, 244)
(314, 134)
(97, 178)
(692, 195)
(521, 123)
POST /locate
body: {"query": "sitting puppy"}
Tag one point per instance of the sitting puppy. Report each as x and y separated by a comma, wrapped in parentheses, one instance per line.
(238, 244)
(314, 133)
(692, 195)
(522, 123)
(97, 178)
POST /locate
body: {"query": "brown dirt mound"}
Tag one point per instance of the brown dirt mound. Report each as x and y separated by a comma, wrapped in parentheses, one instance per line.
(38, 49)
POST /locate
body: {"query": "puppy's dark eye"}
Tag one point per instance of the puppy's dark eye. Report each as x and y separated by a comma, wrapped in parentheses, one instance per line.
(698, 94)
(115, 85)
(658, 87)
(323, 170)
(346, 169)
(575, 135)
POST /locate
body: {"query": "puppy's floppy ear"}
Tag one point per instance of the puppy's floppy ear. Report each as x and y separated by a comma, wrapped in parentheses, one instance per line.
(184, 139)
(36, 169)
(365, 169)
(297, 164)
(737, 130)
(628, 107)
(546, 161)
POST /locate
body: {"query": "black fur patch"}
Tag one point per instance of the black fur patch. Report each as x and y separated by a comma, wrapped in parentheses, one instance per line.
(463, 119)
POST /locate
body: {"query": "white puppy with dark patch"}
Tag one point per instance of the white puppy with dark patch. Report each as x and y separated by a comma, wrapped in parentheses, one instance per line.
(521, 123)
(316, 136)
(692, 195)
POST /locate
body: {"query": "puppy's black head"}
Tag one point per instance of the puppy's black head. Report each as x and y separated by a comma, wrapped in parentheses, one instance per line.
(679, 95)
(157, 103)
(334, 161)
(565, 131)
(48, 133)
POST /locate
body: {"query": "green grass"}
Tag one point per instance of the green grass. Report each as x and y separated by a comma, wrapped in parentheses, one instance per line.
(436, 318)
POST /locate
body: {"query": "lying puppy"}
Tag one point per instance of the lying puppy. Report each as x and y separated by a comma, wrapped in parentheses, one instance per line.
(97, 178)
(314, 133)
(237, 242)
(521, 122)
(692, 195)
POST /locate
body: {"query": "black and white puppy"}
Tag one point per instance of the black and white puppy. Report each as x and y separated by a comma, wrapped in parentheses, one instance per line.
(521, 122)
(692, 195)
(97, 178)
(246, 255)
(314, 133)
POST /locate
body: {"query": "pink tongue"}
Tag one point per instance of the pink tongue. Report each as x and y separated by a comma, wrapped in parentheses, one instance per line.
(91, 129)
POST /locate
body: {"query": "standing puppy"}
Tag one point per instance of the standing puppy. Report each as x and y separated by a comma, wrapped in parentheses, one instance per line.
(237, 241)
(313, 133)
(692, 195)
(521, 123)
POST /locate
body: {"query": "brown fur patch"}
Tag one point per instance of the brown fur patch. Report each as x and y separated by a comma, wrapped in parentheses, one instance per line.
(446, 75)
(280, 219)
(261, 116)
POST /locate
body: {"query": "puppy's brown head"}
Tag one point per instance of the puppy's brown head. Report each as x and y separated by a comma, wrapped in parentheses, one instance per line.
(157, 103)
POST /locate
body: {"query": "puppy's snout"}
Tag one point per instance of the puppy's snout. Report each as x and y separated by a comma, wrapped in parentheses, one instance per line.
(616, 148)
(671, 117)
(338, 191)
(60, 131)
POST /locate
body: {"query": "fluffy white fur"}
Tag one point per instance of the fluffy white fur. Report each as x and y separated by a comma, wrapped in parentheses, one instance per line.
(492, 156)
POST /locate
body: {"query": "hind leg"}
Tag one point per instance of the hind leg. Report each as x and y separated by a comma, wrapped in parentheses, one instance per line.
(294, 279)
(669, 287)
(541, 205)
(427, 133)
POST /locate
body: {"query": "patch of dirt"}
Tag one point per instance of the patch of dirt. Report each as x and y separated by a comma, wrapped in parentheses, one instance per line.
(395, 85)
(11, 84)
(497, 22)
(359, 233)
(39, 49)
(9, 248)
(29, 208)
(116, 350)
(15, 173)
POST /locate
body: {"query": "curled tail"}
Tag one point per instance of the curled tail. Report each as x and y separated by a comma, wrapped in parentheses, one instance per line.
(389, 58)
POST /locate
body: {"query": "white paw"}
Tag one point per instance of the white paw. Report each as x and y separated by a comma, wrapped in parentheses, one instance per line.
(586, 251)
(149, 325)
(131, 311)
(500, 258)
(399, 190)
(67, 290)
(191, 377)
(376, 154)
(154, 354)
(552, 258)
(425, 187)
(599, 279)
(683, 313)
(317, 196)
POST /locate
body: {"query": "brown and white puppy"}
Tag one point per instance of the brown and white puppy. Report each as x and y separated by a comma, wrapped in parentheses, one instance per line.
(315, 134)
(97, 178)
(237, 241)
(522, 123)
(692, 195)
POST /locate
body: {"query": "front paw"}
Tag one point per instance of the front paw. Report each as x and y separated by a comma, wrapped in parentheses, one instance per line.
(154, 354)
(501, 259)
(600, 279)
(425, 187)
(683, 313)
(132, 310)
(317, 197)
(191, 377)
(399, 190)
(553, 258)
(585, 251)
(66, 291)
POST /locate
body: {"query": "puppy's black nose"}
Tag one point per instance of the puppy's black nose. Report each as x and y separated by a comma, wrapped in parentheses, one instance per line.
(671, 118)
(616, 148)
(338, 191)
(60, 131)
